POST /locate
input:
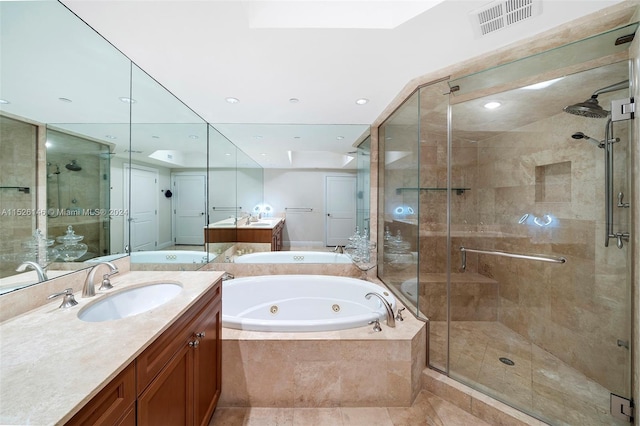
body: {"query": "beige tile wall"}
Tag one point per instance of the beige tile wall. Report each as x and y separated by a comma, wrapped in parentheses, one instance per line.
(18, 151)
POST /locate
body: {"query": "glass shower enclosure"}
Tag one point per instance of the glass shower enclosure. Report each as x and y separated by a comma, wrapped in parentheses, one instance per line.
(506, 228)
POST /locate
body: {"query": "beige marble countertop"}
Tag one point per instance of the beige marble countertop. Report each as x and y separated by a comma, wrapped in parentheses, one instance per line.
(52, 363)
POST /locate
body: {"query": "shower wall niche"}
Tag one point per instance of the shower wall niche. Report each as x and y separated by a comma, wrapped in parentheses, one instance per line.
(78, 190)
(539, 314)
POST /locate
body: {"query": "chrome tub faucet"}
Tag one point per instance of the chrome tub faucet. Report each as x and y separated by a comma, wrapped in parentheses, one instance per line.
(391, 319)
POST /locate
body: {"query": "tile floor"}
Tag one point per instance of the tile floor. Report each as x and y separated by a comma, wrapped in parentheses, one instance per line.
(427, 410)
(538, 383)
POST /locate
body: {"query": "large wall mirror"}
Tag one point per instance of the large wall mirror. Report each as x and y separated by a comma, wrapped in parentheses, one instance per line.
(99, 160)
(61, 89)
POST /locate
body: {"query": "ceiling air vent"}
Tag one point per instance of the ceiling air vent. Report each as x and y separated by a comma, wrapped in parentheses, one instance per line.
(503, 13)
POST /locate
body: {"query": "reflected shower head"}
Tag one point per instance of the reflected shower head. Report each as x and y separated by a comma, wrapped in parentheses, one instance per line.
(580, 135)
(589, 108)
(73, 166)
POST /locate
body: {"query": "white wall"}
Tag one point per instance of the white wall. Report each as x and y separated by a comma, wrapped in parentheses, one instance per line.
(304, 189)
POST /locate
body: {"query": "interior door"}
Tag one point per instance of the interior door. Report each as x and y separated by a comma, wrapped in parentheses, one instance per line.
(143, 211)
(340, 202)
(189, 207)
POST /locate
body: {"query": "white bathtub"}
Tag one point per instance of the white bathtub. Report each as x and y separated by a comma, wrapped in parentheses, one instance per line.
(293, 257)
(289, 303)
(160, 256)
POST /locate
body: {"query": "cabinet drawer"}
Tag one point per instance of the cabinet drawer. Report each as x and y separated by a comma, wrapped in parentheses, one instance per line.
(150, 362)
(109, 406)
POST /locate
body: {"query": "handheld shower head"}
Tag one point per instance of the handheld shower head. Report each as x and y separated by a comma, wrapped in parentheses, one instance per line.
(580, 135)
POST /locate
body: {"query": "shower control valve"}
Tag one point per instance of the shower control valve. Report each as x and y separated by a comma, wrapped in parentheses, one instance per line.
(620, 198)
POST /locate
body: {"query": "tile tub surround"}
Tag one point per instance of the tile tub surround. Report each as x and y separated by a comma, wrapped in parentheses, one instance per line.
(347, 368)
(50, 354)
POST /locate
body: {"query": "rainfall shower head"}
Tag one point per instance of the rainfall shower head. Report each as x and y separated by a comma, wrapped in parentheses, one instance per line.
(73, 166)
(590, 108)
(580, 135)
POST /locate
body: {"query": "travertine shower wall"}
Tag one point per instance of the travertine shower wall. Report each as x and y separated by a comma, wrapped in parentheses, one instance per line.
(18, 151)
(535, 190)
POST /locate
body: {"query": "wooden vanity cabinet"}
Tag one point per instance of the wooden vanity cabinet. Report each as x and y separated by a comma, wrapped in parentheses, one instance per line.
(113, 405)
(187, 386)
(258, 235)
(176, 380)
(272, 236)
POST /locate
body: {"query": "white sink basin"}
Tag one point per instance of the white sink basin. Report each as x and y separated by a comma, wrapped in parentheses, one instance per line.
(129, 302)
(261, 224)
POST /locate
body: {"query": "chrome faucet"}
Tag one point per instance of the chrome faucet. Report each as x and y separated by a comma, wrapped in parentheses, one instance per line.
(42, 275)
(391, 319)
(339, 249)
(89, 288)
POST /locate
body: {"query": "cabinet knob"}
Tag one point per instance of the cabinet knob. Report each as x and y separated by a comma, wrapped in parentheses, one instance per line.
(200, 335)
(194, 343)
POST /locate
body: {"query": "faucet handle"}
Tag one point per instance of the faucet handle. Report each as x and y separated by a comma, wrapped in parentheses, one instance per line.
(68, 300)
(376, 325)
(106, 283)
(399, 314)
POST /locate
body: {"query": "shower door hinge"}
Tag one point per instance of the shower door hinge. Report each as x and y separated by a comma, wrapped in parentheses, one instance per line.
(623, 109)
(621, 408)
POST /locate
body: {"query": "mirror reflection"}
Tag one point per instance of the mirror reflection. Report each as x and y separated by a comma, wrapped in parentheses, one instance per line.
(108, 151)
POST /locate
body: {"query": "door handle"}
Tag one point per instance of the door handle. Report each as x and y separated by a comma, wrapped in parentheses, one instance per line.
(328, 214)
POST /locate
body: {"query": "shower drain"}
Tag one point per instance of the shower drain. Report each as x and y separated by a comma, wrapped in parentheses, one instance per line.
(506, 361)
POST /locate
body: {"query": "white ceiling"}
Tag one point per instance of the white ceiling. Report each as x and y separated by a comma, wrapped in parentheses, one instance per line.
(325, 53)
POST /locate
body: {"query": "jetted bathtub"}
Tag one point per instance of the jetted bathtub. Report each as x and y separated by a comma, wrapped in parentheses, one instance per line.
(286, 303)
(293, 257)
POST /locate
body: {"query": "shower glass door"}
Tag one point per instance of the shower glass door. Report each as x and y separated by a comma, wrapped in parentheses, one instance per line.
(539, 308)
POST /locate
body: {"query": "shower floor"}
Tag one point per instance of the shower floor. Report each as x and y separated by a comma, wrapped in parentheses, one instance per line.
(538, 382)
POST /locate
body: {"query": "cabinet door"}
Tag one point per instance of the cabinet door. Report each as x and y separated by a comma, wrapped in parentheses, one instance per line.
(207, 361)
(169, 398)
(111, 404)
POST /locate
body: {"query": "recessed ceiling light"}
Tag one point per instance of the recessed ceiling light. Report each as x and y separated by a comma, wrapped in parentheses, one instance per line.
(296, 137)
(65, 99)
(227, 154)
(155, 137)
(492, 105)
(362, 101)
(4, 101)
(339, 137)
(127, 100)
(232, 100)
(194, 137)
(110, 137)
(264, 154)
(257, 136)
(294, 100)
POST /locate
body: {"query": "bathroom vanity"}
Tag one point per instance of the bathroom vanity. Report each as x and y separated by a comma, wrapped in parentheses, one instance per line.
(261, 231)
(162, 366)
